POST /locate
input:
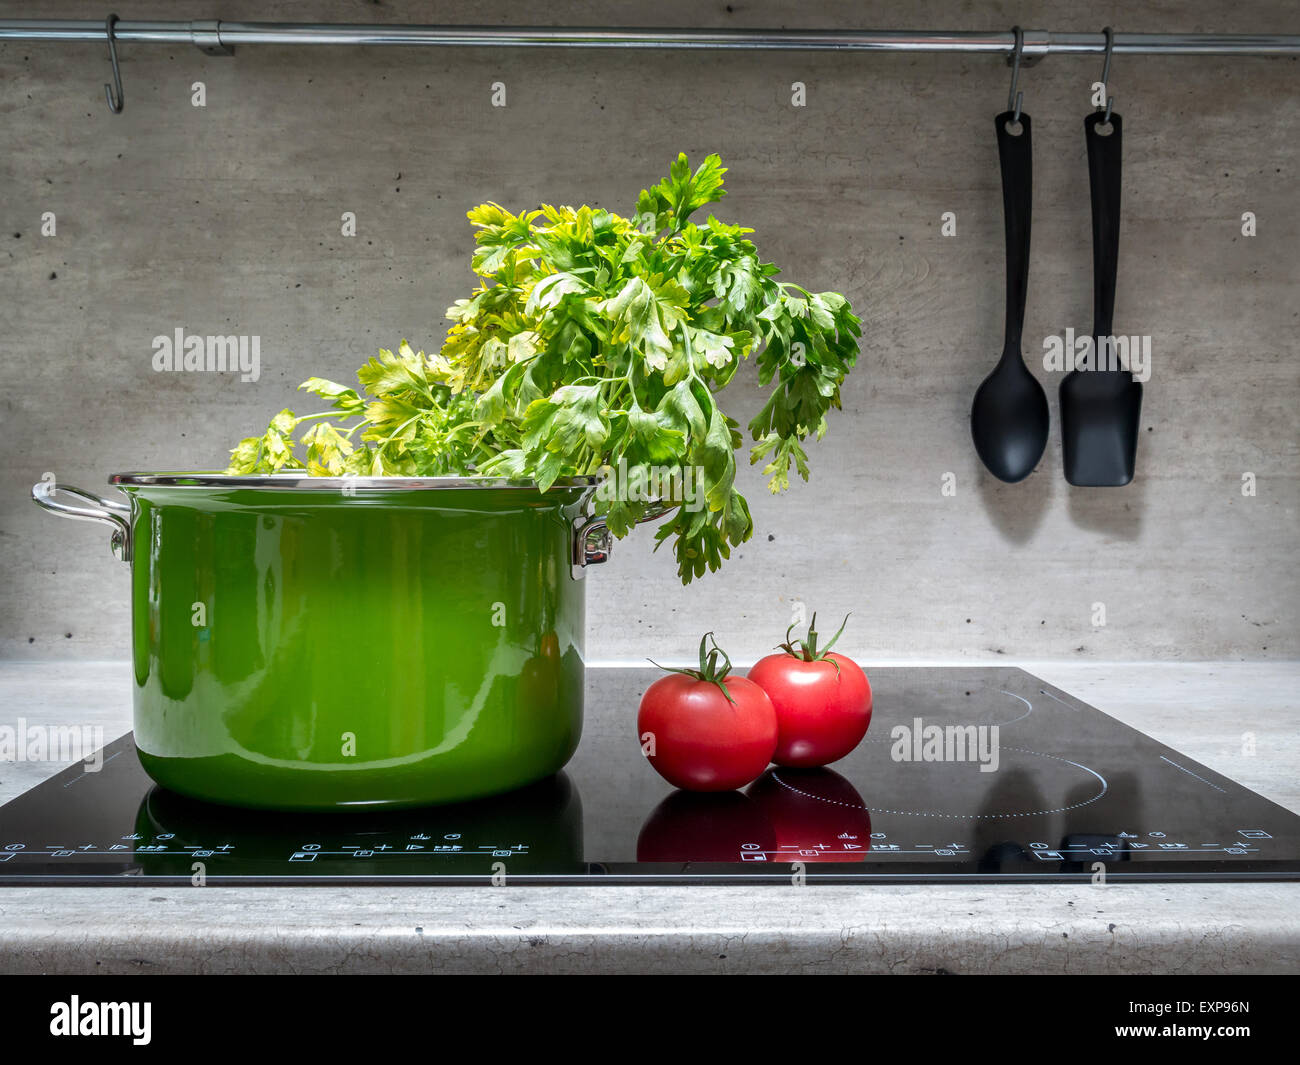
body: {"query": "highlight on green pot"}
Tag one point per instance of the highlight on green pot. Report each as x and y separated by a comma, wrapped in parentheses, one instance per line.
(597, 344)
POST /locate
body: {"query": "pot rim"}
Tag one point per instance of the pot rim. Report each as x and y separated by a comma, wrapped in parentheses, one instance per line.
(302, 481)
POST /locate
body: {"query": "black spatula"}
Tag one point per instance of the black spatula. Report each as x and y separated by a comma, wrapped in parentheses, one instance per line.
(1009, 419)
(1101, 407)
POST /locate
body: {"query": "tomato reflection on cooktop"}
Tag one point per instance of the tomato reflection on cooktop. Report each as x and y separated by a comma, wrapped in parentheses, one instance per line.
(980, 774)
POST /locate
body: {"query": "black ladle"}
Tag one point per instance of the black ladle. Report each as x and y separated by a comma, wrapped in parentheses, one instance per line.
(1009, 419)
(1101, 408)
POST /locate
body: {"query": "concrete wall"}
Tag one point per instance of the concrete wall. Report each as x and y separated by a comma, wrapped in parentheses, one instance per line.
(225, 219)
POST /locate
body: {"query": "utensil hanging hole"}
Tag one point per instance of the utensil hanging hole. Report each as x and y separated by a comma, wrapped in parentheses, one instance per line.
(1103, 129)
(1014, 128)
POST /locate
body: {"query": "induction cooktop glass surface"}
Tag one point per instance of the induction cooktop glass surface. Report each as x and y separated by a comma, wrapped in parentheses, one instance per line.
(972, 774)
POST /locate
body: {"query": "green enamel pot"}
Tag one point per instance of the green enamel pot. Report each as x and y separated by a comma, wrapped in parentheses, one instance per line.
(323, 643)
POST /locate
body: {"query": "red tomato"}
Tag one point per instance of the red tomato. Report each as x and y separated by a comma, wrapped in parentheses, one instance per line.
(817, 815)
(701, 741)
(823, 712)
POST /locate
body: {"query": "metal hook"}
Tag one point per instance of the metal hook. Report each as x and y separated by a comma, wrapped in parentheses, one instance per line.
(1014, 98)
(1105, 72)
(115, 101)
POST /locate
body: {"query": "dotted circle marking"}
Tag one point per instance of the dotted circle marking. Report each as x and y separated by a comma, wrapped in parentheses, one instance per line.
(962, 817)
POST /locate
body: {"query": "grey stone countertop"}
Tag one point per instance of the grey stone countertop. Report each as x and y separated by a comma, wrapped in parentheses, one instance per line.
(976, 928)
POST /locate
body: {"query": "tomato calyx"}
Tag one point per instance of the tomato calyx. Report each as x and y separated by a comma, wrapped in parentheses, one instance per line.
(806, 649)
(710, 671)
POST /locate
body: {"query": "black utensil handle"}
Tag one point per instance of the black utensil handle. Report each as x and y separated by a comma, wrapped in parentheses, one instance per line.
(1016, 158)
(1104, 154)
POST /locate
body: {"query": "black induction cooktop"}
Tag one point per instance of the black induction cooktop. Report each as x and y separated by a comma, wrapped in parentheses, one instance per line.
(965, 775)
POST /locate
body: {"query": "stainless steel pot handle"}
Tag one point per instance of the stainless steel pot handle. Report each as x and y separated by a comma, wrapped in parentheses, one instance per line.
(109, 511)
(592, 541)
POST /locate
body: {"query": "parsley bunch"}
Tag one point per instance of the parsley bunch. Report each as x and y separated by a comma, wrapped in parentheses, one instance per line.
(597, 343)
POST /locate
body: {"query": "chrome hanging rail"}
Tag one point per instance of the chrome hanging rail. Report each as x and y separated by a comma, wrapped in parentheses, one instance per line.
(216, 37)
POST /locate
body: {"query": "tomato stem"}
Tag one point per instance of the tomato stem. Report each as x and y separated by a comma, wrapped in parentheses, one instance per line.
(806, 649)
(709, 672)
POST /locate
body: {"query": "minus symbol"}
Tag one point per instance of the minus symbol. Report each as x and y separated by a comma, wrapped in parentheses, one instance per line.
(87, 772)
(1044, 691)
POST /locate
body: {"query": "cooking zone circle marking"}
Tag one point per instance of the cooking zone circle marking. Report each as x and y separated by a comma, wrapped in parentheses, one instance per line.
(929, 813)
(1029, 707)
